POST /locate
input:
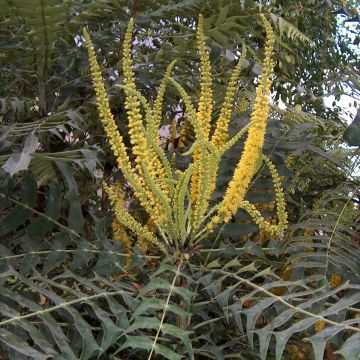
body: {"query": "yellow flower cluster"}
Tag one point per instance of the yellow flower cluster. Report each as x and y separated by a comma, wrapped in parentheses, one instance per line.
(289, 160)
(114, 137)
(143, 176)
(269, 227)
(220, 135)
(132, 105)
(211, 156)
(113, 134)
(141, 149)
(203, 118)
(206, 156)
(247, 166)
(335, 280)
(159, 172)
(279, 195)
(183, 135)
(264, 225)
(125, 218)
(205, 105)
(319, 325)
(297, 352)
(177, 202)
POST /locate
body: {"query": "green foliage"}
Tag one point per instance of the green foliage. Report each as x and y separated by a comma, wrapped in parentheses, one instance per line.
(67, 289)
(226, 300)
(352, 133)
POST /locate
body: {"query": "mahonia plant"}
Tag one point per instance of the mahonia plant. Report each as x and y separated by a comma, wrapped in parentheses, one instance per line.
(178, 202)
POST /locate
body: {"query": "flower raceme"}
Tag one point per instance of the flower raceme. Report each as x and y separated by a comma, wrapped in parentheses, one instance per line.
(177, 202)
(246, 167)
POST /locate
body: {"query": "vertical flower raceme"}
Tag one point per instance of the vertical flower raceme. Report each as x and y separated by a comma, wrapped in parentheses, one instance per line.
(205, 105)
(158, 105)
(279, 197)
(219, 139)
(133, 107)
(144, 152)
(114, 137)
(147, 167)
(221, 131)
(153, 131)
(204, 114)
(247, 165)
(202, 166)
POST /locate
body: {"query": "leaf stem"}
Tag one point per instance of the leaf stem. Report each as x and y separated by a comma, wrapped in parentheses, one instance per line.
(165, 309)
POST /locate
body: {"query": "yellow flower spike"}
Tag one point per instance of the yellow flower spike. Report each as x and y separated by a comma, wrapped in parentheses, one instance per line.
(141, 149)
(289, 160)
(269, 226)
(218, 140)
(132, 105)
(221, 131)
(210, 159)
(127, 220)
(215, 161)
(153, 127)
(203, 179)
(112, 132)
(247, 165)
(204, 112)
(205, 105)
(264, 225)
(159, 162)
(183, 135)
(279, 195)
